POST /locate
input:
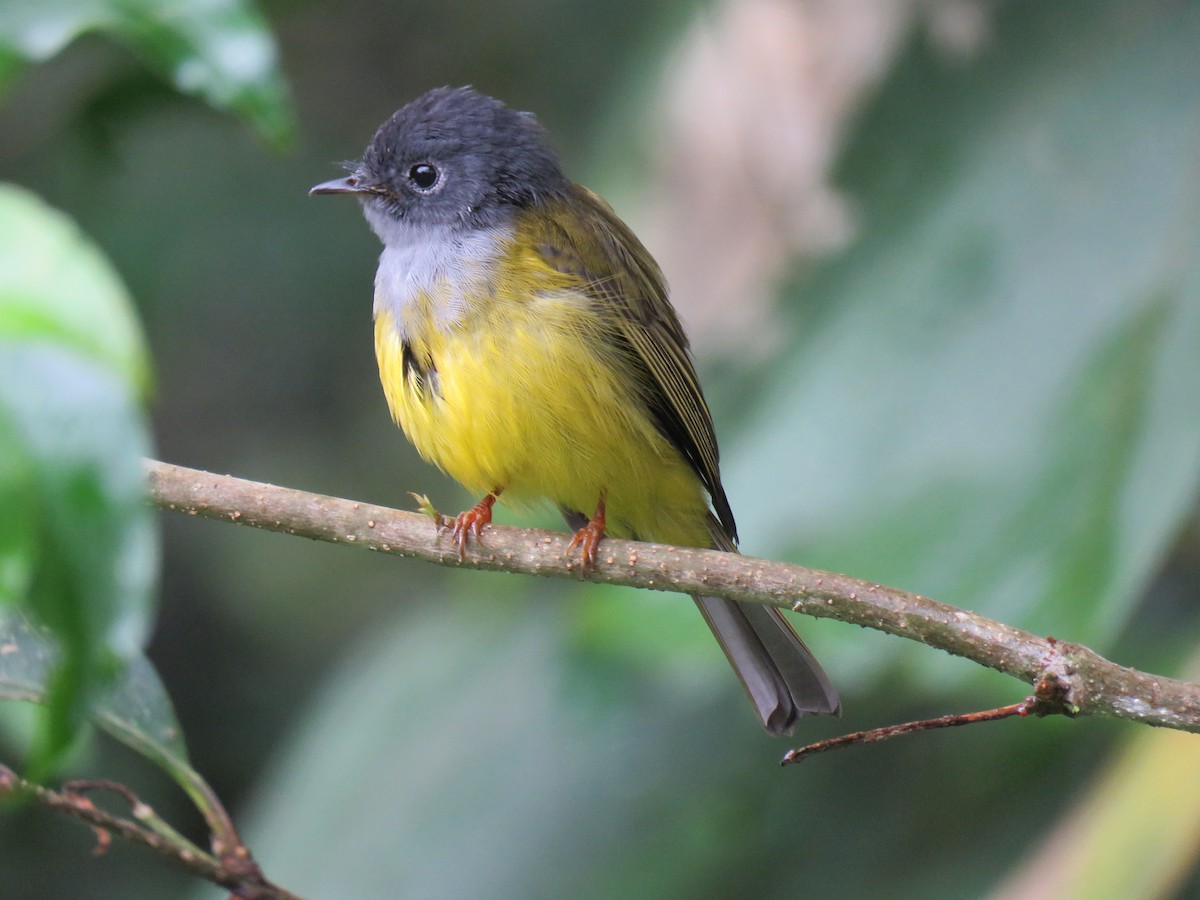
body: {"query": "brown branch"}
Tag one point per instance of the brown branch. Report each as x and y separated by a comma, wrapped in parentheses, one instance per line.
(1093, 685)
(1047, 700)
(236, 872)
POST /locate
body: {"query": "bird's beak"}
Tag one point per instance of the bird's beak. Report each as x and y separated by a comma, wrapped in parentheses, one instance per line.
(348, 185)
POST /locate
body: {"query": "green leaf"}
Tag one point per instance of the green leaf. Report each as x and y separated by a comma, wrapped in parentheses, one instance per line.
(991, 399)
(78, 545)
(86, 556)
(56, 285)
(18, 541)
(219, 50)
(136, 709)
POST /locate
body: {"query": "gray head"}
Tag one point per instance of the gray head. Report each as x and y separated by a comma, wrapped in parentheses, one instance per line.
(452, 157)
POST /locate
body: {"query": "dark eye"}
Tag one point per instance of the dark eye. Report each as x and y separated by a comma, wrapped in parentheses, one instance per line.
(423, 176)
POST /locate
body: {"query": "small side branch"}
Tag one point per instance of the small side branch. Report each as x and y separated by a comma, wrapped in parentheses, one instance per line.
(1092, 685)
(1046, 700)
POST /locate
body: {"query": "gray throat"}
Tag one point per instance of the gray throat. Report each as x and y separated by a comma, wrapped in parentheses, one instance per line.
(444, 266)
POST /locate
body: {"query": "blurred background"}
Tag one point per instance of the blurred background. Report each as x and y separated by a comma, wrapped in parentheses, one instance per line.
(939, 261)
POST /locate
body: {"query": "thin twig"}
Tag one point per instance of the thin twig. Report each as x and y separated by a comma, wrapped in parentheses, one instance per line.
(1047, 700)
(1092, 684)
(887, 732)
(244, 880)
(140, 811)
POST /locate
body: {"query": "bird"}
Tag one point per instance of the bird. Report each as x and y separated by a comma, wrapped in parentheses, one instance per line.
(528, 348)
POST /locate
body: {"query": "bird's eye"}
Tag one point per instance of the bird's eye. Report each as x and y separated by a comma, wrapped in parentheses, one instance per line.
(423, 176)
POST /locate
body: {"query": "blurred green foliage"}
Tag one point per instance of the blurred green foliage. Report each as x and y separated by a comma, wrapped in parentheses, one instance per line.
(220, 50)
(78, 549)
(995, 402)
(78, 544)
(988, 398)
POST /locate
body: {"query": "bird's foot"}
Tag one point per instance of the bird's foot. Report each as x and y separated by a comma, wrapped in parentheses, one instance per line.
(472, 522)
(588, 538)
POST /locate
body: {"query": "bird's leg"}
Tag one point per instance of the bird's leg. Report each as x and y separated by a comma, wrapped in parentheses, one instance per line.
(588, 538)
(473, 520)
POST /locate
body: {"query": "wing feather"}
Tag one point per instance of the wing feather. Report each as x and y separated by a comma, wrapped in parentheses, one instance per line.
(585, 238)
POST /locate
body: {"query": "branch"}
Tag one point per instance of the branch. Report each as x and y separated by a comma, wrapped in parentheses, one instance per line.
(1092, 685)
(235, 871)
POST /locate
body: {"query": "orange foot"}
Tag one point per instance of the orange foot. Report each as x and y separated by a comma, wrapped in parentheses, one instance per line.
(588, 538)
(473, 520)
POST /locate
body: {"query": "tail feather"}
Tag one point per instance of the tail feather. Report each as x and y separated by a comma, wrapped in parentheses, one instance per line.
(782, 678)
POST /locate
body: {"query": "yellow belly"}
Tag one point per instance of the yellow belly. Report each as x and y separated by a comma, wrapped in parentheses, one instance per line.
(526, 401)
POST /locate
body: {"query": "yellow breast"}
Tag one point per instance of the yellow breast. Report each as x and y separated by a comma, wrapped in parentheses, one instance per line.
(524, 392)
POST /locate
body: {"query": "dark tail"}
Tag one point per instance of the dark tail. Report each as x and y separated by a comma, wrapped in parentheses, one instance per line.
(782, 678)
